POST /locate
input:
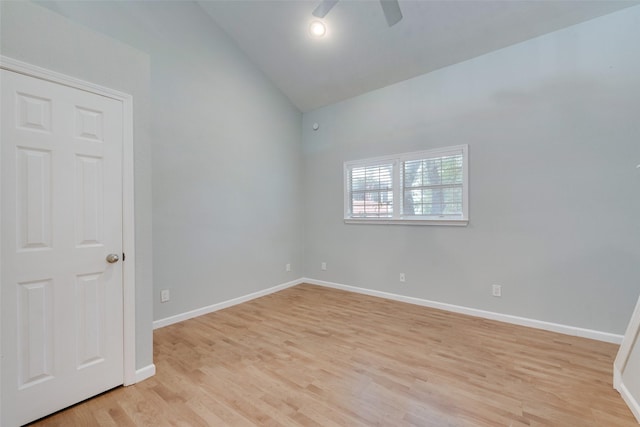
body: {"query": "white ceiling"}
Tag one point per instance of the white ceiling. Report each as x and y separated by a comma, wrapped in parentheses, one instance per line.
(360, 53)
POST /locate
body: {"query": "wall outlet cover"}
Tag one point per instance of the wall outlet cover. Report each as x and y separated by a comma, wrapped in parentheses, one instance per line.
(165, 295)
(496, 290)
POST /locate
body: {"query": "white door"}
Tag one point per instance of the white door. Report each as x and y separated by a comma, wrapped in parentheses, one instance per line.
(62, 313)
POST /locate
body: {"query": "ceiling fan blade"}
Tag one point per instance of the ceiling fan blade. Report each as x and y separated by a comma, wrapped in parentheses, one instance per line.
(323, 8)
(391, 10)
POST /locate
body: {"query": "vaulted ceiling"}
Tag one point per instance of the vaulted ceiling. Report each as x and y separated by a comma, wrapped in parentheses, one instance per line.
(361, 53)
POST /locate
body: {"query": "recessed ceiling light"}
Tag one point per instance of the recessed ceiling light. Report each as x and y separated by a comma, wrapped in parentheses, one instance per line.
(317, 29)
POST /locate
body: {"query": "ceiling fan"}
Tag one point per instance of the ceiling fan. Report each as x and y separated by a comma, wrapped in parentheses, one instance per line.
(391, 10)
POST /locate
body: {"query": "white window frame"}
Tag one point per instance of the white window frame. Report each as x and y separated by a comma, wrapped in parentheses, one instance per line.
(397, 161)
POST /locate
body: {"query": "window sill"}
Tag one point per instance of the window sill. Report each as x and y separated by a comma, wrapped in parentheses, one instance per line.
(448, 221)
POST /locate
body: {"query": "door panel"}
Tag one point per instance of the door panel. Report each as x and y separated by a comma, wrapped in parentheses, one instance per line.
(62, 314)
(35, 333)
(33, 186)
(89, 199)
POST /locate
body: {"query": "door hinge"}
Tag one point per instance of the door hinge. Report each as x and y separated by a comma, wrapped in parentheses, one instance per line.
(123, 256)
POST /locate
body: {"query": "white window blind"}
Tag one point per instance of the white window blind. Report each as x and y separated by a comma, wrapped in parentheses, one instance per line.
(371, 191)
(428, 187)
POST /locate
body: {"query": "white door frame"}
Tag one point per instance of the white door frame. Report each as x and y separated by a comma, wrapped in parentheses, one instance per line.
(630, 341)
(128, 231)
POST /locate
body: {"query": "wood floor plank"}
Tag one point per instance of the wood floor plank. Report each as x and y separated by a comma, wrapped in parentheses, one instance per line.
(313, 356)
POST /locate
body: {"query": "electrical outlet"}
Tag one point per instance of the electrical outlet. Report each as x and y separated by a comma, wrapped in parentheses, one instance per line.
(164, 295)
(323, 266)
(496, 290)
(402, 278)
(287, 267)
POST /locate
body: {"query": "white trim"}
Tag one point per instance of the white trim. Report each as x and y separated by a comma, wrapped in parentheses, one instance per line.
(161, 323)
(1, 350)
(617, 378)
(453, 222)
(630, 339)
(507, 318)
(59, 78)
(128, 247)
(128, 232)
(628, 397)
(144, 373)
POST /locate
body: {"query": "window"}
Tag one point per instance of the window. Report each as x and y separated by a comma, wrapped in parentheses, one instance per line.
(426, 187)
(372, 191)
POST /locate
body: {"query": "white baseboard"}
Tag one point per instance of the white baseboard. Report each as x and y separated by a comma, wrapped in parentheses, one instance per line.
(146, 372)
(507, 318)
(219, 306)
(631, 402)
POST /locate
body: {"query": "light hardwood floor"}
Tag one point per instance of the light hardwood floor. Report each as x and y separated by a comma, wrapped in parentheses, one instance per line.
(313, 356)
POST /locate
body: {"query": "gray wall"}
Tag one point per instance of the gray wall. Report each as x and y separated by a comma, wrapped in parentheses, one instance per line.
(35, 35)
(554, 137)
(226, 156)
(553, 134)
